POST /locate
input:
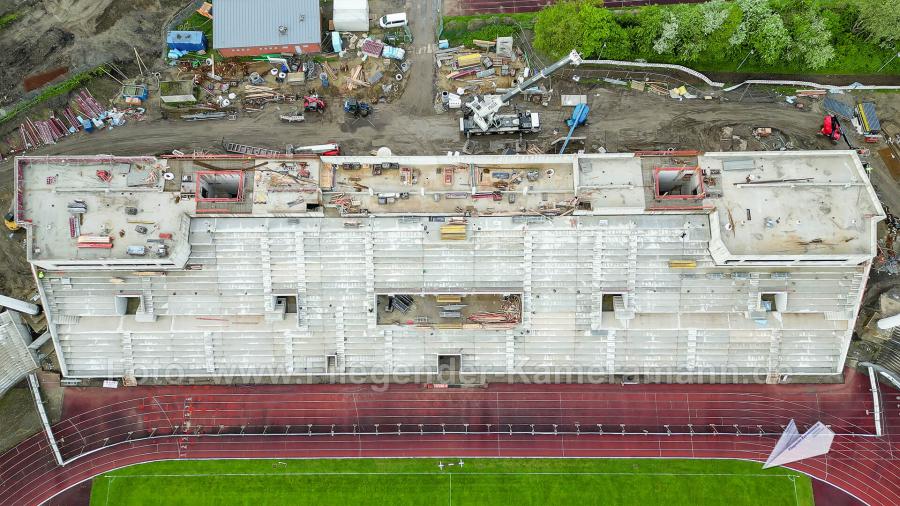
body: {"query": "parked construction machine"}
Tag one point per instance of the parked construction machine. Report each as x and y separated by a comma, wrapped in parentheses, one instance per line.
(314, 103)
(482, 113)
(831, 128)
(357, 108)
(10, 221)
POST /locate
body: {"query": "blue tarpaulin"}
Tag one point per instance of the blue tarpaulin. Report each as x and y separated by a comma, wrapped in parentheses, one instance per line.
(186, 41)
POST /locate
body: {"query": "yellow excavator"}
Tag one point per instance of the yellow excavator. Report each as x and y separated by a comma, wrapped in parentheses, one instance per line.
(10, 221)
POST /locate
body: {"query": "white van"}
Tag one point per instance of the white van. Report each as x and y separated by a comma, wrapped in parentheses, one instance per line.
(393, 20)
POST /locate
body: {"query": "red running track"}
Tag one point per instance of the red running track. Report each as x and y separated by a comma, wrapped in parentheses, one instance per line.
(104, 430)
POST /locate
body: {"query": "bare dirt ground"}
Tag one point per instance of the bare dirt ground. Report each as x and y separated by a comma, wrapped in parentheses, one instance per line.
(79, 34)
(18, 415)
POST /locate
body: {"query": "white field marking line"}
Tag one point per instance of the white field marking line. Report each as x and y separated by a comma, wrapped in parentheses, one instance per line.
(436, 473)
(109, 486)
(450, 502)
(796, 498)
(163, 411)
(83, 440)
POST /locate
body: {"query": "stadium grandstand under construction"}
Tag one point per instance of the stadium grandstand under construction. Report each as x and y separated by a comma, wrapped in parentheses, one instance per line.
(711, 266)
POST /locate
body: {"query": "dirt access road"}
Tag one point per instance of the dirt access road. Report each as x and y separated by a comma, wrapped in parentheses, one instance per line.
(620, 120)
(419, 94)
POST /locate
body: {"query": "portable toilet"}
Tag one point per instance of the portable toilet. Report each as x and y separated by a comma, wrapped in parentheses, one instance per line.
(186, 41)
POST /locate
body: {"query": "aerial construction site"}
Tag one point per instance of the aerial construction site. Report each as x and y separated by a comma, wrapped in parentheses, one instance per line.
(482, 252)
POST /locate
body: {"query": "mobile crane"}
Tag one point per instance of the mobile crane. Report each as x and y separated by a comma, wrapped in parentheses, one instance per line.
(482, 114)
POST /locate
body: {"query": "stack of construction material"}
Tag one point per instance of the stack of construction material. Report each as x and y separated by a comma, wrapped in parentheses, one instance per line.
(95, 241)
(453, 232)
(446, 56)
(41, 133)
(372, 48)
(252, 91)
(88, 105)
(357, 78)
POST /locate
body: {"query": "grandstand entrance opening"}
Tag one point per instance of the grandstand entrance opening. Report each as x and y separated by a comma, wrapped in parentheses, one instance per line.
(448, 368)
(127, 304)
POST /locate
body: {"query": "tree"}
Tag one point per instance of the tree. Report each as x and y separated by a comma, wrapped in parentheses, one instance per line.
(665, 44)
(691, 36)
(770, 39)
(688, 30)
(647, 28)
(811, 40)
(557, 27)
(580, 25)
(763, 29)
(715, 13)
(879, 20)
(752, 12)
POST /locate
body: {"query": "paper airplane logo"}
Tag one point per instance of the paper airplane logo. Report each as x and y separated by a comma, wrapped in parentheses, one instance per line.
(794, 446)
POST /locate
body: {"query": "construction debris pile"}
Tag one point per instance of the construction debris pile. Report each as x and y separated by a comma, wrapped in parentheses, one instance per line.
(494, 67)
(888, 259)
(370, 68)
(453, 311)
(508, 316)
(364, 68)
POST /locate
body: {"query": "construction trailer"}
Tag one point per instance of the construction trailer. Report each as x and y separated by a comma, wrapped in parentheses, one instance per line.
(695, 266)
(186, 41)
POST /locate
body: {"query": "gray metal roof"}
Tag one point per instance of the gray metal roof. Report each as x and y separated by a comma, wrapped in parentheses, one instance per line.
(247, 23)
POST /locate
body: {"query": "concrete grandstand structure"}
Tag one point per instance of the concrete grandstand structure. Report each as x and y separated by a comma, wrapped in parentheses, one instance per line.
(16, 360)
(715, 265)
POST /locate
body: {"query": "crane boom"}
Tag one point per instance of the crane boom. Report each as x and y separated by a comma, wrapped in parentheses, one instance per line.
(483, 109)
(574, 58)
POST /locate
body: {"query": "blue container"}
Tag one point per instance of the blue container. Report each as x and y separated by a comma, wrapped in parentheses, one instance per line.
(186, 41)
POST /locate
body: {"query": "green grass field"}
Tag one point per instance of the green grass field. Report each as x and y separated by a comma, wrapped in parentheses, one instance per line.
(478, 481)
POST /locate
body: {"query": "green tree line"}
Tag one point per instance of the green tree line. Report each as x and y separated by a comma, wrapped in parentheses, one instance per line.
(850, 36)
